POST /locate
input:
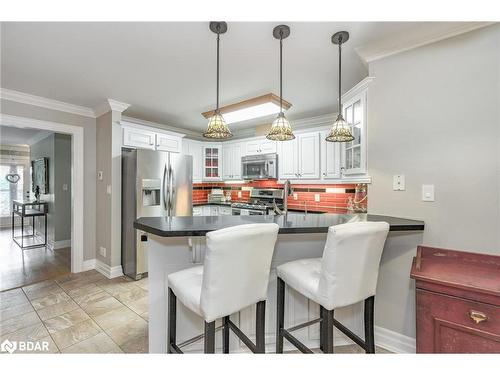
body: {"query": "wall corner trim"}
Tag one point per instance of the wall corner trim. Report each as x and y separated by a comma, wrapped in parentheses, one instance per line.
(108, 271)
(110, 105)
(88, 265)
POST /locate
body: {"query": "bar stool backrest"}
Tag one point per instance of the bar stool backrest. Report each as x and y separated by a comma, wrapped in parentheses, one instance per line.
(350, 263)
(236, 268)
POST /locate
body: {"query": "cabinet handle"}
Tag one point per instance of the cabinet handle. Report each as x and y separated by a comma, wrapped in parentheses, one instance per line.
(477, 316)
(324, 174)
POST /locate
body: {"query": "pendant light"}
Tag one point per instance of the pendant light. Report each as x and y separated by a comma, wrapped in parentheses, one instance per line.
(217, 127)
(281, 129)
(341, 130)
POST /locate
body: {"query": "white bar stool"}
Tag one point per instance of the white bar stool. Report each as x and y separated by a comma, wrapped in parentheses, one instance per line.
(346, 274)
(235, 275)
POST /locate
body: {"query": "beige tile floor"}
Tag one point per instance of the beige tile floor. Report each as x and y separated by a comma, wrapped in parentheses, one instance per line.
(78, 313)
(85, 313)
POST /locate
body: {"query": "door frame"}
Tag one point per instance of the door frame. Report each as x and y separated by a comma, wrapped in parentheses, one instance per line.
(77, 176)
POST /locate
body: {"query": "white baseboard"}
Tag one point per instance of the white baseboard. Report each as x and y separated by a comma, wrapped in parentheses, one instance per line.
(108, 271)
(393, 341)
(88, 265)
(61, 244)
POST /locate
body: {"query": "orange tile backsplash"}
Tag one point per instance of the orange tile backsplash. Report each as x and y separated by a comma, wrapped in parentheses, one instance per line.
(339, 200)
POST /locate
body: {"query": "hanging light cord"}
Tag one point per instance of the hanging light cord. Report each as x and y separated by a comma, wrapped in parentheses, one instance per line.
(281, 71)
(340, 71)
(217, 99)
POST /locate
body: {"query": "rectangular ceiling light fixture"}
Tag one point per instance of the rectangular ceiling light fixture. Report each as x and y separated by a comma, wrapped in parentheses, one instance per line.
(249, 109)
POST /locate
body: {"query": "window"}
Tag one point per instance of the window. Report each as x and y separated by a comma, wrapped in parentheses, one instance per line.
(9, 191)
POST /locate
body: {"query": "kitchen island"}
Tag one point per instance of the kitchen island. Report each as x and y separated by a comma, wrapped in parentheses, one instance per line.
(177, 243)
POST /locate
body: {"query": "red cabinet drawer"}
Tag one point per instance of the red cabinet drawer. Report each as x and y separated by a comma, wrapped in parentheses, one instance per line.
(448, 324)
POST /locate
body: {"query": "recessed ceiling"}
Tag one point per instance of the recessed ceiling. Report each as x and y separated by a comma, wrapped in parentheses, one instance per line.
(166, 71)
(21, 136)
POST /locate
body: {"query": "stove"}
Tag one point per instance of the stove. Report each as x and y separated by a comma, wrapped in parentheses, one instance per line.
(261, 202)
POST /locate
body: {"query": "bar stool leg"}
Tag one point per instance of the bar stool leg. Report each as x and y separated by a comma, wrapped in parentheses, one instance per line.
(225, 335)
(172, 319)
(322, 326)
(260, 327)
(280, 315)
(369, 330)
(210, 337)
(328, 331)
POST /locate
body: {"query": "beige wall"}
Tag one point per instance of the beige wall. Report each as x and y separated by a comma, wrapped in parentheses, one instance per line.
(89, 126)
(108, 160)
(433, 115)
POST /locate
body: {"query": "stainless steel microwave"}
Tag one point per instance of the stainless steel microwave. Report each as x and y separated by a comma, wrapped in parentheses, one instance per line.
(259, 167)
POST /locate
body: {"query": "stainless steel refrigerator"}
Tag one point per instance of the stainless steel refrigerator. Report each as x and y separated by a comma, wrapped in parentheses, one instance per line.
(154, 183)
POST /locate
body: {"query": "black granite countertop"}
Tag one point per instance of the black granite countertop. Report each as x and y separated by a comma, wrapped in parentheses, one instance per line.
(293, 223)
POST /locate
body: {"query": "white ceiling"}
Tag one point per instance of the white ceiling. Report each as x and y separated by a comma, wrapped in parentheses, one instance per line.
(21, 136)
(166, 71)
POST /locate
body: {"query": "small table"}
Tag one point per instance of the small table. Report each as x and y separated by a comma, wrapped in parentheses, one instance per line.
(29, 209)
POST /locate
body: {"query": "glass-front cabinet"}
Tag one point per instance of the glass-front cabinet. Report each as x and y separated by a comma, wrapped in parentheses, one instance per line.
(212, 166)
(354, 153)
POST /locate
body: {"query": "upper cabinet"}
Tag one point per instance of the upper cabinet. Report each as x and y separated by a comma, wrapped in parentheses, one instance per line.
(330, 158)
(260, 146)
(195, 149)
(355, 113)
(212, 161)
(138, 136)
(231, 166)
(300, 158)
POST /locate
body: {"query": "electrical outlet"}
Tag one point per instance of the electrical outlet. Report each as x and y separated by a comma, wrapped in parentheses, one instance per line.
(398, 182)
(65, 187)
(239, 194)
(316, 197)
(295, 196)
(102, 251)
(99, 175)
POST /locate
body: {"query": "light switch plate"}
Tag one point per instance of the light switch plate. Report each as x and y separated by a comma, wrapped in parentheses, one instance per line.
(398, 182)
(428, 193)
(295, 196)
(65, 187)
(239, 194)
(316, 197)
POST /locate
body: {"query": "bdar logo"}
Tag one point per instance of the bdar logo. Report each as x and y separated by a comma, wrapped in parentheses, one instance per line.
(8, 346)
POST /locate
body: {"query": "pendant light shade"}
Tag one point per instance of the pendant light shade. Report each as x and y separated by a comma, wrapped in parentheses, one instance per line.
(217, 127)
(341, 130)
(280, 128)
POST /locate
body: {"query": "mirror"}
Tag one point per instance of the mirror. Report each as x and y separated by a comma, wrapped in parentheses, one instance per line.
(40, 175)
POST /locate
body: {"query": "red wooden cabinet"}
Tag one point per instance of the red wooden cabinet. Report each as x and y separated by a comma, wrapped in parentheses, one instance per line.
(457, 301)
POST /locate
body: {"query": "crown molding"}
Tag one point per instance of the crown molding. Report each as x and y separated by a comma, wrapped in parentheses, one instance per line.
(180, 131)
(39, 101)
(356, 89)
(405, 42)
(110, 105)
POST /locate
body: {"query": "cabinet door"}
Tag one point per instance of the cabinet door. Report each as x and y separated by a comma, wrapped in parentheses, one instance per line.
(330, 158)
(267, 147)
(235, 161)
(166, 142)
(252, 147)
(354, 153)
(212, 162)
(308, 155)
(287, 160)
(139, 138)
(227, 169)
(194, 149)
(205, 210)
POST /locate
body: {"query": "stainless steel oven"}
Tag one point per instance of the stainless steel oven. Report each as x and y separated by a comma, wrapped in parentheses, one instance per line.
(246, 211)
(259, 167)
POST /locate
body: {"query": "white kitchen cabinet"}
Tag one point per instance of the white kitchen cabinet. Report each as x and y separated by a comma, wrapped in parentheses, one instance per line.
(231, 161)
(212, 160)
(195, 149)
(330, 158)
(197, 211)
(300, 158)
(205, 211)
(354, 153)
(260, 146)
(225, 210)
(167, 142)
(139, 138)
(308, 155)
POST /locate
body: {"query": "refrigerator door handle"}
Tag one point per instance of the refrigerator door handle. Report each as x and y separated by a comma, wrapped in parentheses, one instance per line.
(170, 179)
(164, 188)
